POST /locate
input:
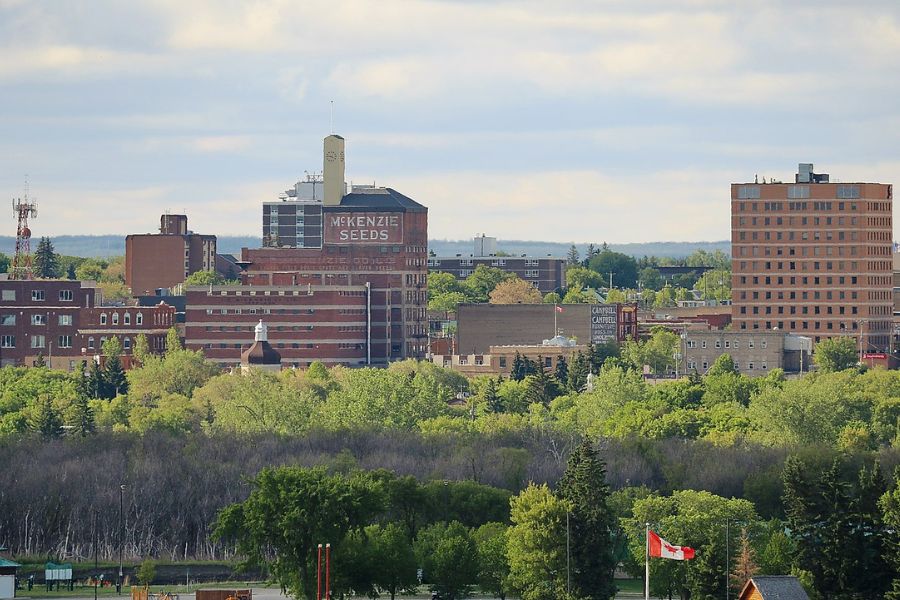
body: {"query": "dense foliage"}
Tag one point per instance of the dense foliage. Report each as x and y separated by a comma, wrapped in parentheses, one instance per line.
(188, 440)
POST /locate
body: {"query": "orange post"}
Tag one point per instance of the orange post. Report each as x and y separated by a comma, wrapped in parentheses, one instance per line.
(319, 574)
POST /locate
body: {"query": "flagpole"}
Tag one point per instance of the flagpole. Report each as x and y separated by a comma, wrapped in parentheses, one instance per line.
(647, 563)
(555, 328)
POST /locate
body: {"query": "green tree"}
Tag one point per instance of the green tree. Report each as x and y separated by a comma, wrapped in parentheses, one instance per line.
(493, 402)
(396, 559)
(541, 387)
(114, 379)
(890, 507)
(141, 350)
(536, 544)
(576, 295)
(447, 302)
(205, 278)
(551, 298)
(289, 511)
(724, 365)
(578, 372)
(5, 261)
(715, 285)
(440, 283)
(583, 486)
(146, 572)
(479, 285)
(572, 257)
(688, 518)
(90, 270)
(493, 562)
(82, 414)
(650, 278)
(96, 386)
(582, 277)
(46, 418)
(622, 267)
(449, 559)
(46, 261)
(838, 528)
(835, 354)
(173, 341)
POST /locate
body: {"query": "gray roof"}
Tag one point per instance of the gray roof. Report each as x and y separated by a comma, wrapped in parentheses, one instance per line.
(778, 587)
(382, 199)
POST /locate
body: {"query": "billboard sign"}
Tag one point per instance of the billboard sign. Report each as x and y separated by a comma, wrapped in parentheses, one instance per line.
(363, 228)
(604, 323)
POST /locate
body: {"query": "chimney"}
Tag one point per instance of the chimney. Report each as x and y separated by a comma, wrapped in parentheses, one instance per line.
(333, 170)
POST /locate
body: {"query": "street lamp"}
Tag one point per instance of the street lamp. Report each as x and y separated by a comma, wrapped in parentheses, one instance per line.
(121, 536)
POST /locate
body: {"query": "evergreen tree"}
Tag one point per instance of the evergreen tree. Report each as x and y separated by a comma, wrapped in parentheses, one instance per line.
(517, 371)
(83, 414)
(578, 372)
(591, 524)
(39, 361)
(114, 379)
(540, 387)
(46, 261)
(839, 531)
(572, 257)
(562, 370)
(47, 420)
(96, 386)
(70, 271)
(492, 398)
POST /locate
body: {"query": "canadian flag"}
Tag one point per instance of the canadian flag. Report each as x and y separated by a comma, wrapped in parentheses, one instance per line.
(559, 308)
(660, 548)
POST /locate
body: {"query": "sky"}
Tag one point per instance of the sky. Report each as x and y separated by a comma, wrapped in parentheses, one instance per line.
(582, 121)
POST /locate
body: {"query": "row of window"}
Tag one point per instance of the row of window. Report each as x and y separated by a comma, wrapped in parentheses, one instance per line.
(37, 295)
(39, 319)
(126, 319)
(37, 341)
(719, 343)
(704, 365)
(842, 192)
(804, 310)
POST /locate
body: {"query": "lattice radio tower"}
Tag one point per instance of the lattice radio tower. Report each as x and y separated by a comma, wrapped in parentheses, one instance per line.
(23, 209)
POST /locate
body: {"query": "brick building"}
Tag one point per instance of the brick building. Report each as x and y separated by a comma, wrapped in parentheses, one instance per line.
(372, 236)
(480, 326)
(814, 258)
(165, 259)
(334, 324)
(547, 274)
(60, 321)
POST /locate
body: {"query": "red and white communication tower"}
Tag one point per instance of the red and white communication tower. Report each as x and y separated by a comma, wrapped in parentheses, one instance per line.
(21, 265)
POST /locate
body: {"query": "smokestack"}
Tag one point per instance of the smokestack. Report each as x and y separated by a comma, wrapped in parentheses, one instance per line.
(333, 170)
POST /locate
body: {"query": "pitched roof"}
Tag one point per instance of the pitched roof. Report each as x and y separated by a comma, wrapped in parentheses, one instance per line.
(380, 199)
(777, 587)
(8, 563)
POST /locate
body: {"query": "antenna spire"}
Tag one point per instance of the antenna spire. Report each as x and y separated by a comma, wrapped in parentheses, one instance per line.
(331, 118)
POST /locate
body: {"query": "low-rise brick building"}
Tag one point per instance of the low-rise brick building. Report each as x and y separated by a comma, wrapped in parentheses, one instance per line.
(63, 321)
(334, 324)
(754, 352)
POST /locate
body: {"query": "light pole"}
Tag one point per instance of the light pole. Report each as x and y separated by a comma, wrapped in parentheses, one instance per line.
(121, 535)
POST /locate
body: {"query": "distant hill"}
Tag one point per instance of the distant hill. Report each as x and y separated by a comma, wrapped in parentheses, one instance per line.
(517, 247)
(114, 245)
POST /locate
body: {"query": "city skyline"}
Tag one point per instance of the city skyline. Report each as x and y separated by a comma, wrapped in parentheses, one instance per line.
(516, 116)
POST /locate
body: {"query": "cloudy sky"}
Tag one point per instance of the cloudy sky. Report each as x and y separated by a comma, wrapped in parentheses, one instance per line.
(582, 121)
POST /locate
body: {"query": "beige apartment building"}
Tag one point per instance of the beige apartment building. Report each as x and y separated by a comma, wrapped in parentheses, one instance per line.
(813, 257)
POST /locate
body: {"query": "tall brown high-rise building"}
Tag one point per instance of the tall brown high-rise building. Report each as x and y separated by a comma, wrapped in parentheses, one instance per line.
(813, 257)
